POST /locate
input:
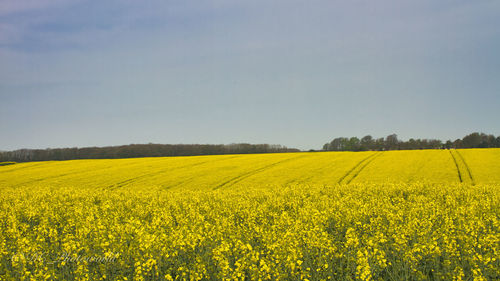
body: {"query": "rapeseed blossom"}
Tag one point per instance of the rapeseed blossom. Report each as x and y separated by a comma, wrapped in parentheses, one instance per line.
(255, 217)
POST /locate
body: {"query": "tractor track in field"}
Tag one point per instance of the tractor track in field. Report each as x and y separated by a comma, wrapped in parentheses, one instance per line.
(467, 168)
(306, 179)
(256, 171)
(20, 168)
(364, 166)
(42, 179)
(75, 172)
(72, 173)
(135, 179)
(354, 171)
(456, 165)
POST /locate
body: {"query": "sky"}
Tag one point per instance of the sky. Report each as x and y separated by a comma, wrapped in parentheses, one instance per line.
(298, 73)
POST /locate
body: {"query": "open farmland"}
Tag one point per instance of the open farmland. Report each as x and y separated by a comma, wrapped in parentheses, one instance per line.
(394, 215)
(212, 172)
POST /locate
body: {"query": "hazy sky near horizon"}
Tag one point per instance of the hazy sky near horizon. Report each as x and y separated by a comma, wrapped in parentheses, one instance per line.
(297, 73)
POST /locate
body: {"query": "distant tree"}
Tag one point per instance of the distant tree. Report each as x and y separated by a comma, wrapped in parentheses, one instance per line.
(380, 144)
(472, 140)
(366, 143)
(338, 144)
(413, 144)
(448, 144)
(435, 144)
(391, 142)
(352, 144)
(487, 141)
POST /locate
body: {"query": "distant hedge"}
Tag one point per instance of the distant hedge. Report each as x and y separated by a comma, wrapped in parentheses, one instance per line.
(139, 150)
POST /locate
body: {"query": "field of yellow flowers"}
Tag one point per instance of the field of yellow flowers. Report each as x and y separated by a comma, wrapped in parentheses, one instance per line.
(394, 215)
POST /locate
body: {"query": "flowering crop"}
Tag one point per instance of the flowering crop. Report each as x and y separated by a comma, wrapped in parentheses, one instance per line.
(291, 216)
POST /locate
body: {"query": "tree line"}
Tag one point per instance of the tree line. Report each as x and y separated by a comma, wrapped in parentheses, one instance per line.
(391, 142)
(138, 150)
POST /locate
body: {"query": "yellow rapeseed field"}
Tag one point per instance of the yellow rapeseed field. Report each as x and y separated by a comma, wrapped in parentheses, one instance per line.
(394, 215)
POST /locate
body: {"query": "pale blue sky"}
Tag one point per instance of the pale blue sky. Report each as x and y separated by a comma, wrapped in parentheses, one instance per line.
(298, 73)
